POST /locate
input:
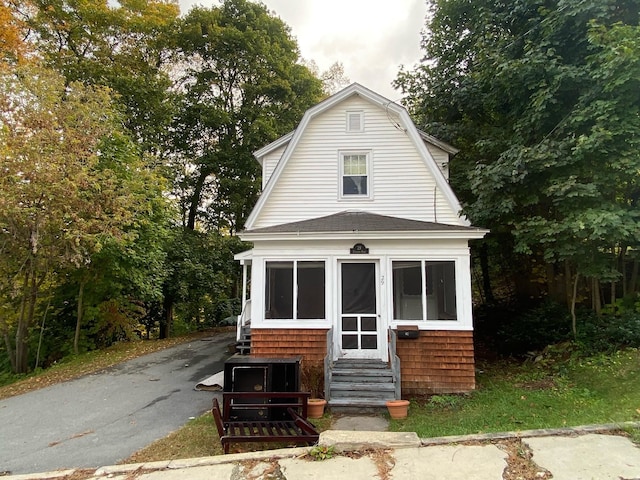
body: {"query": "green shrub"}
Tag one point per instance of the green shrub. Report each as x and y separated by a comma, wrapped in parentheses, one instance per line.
(516, 329)
(607, 333)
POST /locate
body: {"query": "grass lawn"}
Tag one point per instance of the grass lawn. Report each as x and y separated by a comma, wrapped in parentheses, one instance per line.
(512, 397)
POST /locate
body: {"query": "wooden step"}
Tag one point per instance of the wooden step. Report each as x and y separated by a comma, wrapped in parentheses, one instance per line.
(357, 403)
(360, 387)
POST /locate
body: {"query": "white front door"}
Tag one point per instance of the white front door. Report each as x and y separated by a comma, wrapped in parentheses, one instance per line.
(360, 332)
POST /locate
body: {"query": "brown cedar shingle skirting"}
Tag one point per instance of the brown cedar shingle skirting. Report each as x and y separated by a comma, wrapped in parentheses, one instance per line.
(276, 343)
(437, 362)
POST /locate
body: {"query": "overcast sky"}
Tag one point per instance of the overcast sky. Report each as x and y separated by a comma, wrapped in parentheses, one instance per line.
(371, 38)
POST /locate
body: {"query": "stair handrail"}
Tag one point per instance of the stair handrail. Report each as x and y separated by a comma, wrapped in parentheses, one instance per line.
(395, 363)
(243, 319)
(328, 361)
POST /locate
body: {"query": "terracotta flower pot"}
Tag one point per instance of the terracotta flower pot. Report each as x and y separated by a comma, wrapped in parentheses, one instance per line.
(315, 407)
(398, 408)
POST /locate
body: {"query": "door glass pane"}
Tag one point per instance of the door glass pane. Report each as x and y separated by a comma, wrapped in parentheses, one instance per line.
(407, 291)
(358, 288)
(369, 324)
(441, 291)
(349, 324)
(311, 290)
(350, 342)
(369, 342)
(279, 290)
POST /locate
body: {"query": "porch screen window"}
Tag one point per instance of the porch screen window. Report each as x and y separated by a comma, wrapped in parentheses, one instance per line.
(355, 175)
(424, 290)
(297, 283)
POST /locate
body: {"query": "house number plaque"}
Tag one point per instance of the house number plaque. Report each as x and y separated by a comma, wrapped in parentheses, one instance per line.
(359, 248)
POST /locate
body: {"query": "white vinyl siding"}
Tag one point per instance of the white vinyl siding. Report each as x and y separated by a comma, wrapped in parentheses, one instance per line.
(441, 157)
(403, 185)
(269, 163)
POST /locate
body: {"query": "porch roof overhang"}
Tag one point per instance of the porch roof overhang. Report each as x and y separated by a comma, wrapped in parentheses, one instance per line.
(244, 257)
(362, 225)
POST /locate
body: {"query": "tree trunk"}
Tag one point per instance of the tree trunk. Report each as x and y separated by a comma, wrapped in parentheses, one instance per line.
(167, 317)
(195, 199)
(44, 319)
(10, 352)
(76, 338)
(27, 310)
(633, 283)
(567, 284)
(486, 279)
(574, 295)
(597, 301)
(623, 269)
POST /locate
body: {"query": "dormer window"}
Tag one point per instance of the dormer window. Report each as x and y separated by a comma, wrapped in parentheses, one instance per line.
(355, 175)
(355, 122)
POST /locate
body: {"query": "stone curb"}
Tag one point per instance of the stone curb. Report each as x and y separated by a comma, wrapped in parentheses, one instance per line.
(543, 432)
(343, 441)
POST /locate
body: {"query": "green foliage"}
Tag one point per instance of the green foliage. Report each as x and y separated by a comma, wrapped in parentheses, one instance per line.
(543, 98)
(322, 452)
(516, 329)
(122, 45)
(243, 88)
(608, 333)
(202, 279)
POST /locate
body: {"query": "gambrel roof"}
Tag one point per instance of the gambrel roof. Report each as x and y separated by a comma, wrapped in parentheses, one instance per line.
(401, 121)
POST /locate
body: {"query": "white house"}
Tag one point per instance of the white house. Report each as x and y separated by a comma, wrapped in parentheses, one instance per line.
(360, 256)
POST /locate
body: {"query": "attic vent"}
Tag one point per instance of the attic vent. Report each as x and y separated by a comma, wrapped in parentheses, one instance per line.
(355, 121)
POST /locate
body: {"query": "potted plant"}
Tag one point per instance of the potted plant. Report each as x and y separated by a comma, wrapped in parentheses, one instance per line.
(398, 408)
(312, 380)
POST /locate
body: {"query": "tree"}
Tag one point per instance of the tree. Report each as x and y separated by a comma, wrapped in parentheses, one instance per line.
(123, 45)
(333, 79)
(241, 87)
(12, 47)
(64, 193)
(544, 100)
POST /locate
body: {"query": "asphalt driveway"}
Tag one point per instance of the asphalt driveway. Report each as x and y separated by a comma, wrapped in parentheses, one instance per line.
(103, 418)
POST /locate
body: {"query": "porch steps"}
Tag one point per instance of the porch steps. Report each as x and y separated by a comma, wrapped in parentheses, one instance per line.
(360, 384)
(243, 346)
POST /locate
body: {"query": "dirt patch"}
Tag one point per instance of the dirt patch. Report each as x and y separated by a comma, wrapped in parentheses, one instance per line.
(520, 465)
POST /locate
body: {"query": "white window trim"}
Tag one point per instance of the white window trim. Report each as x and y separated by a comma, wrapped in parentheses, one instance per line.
(294, 322)
(464, 316)
(368, 154)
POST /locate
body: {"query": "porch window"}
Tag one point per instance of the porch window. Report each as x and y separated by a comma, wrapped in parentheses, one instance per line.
(298, 283)
(424, 290)
(354, 172)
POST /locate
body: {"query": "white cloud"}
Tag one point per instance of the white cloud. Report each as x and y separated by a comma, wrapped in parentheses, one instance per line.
(371, 38)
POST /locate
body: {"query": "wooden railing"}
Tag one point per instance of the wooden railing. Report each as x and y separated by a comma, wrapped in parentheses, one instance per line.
(394, 360)
(328, 361)
(243, 319)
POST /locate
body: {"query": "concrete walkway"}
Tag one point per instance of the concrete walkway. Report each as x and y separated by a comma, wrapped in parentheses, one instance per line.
(570, 454)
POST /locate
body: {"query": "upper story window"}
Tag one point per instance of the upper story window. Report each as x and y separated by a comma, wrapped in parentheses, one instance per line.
(355, 122)
(355, 175)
